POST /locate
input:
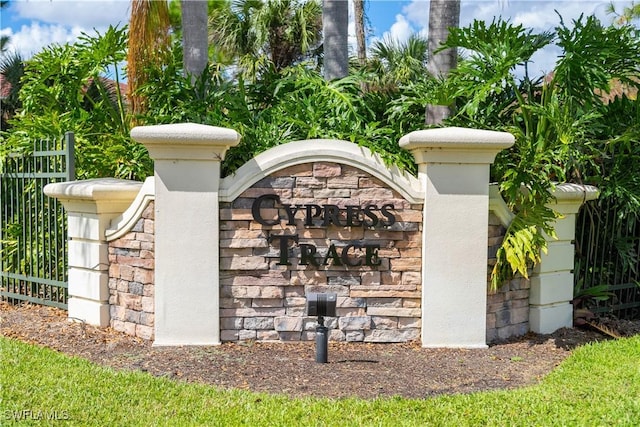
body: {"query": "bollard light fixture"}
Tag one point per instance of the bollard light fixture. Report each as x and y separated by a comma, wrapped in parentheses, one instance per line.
(322, 305)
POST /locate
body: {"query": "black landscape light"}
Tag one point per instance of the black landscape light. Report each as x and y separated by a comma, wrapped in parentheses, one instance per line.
(321, 305)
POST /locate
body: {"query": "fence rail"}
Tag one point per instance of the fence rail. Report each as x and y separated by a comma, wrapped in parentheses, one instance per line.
(33, 262)
(607, 254)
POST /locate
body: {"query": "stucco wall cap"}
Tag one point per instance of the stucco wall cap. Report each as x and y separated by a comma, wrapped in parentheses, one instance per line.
(94, 189)
(569, 192)
(457, 138)
(185, 134)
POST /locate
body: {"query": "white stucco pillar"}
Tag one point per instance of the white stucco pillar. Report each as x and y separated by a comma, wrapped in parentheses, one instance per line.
(187, 179)
(552, 279)
(453, 166)
(90, 206)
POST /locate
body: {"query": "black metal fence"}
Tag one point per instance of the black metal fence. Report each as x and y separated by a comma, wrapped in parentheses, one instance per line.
(33, 227)
(607, 264)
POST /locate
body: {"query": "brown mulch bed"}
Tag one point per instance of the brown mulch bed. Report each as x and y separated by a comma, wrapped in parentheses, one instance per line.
(354, 369)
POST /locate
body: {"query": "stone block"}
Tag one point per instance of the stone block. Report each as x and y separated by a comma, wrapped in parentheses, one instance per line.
(117, 325)
(406, 264)
(385, 322)
(231, 323)
(354, 336)
(251, 312)
(144, 332)
(351, 311)
(147, 304)
(244, 335)
(147, 319)
(390, 335)
(149, 290)
(143, 275)
(336, 335)
(384, 302)
(344, 302)
(131, 301)
(267, 302)
(354, 323)
(130, 328)
(295, 311)
(229, 335)
(267, 335)
(324, 170)
(289, 335)
(287, 324)
(258, 323)
(370, 278)
(519, 315)
(295, 302)
(342, 182)
(393, 311)
(409, 322)
(136, 288)
(411, 302)
(127, 272)
(132, 316)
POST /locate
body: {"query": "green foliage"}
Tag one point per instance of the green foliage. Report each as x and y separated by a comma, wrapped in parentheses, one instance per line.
(563, 127)
(276, 108)
(598, 383)
(279, 33)
(64, 90)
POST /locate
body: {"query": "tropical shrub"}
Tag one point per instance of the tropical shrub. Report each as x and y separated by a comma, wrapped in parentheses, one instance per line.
(64, 90)
(566, 129)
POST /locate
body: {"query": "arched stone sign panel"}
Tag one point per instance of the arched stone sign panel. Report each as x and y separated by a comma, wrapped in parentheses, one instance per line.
(330, 218)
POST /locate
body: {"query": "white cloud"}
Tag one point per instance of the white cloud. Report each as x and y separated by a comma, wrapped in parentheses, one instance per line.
(400, 31)
(417, 12)
(30, 39)
(85, 13)
(59, 21)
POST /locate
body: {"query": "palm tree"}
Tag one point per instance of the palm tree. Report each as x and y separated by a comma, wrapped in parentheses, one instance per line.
(149, 43)
(396, 63)
(443, 14)
(194, 36)
(282, 32)
(335, 24)
(358, 8)
(11, 71)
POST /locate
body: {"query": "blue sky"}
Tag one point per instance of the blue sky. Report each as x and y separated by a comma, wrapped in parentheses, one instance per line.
(33, 24)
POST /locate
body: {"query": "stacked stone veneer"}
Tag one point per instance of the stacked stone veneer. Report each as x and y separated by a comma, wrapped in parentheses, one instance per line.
(261, 300)
(508, 307)
(131, 273)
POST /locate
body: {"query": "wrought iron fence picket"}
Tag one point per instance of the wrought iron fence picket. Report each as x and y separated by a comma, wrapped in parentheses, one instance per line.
(33, 260)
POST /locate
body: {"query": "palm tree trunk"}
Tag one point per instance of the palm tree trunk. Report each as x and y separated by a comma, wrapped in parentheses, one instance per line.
(443, 14)
(358, 6)
(335, 25)
(194, 36)
(148, 44)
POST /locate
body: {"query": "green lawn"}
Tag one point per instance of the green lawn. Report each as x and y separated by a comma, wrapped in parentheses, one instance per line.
(598, 385)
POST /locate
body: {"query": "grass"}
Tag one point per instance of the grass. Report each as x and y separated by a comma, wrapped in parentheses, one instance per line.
(599, 384)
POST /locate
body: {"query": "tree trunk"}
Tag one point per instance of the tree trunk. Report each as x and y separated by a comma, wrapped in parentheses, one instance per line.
(194, 36)
(335, 25)
(358, 6)
(443, 14)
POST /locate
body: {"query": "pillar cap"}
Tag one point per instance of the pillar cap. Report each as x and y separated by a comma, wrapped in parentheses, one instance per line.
(456, 145)
(97, 189)
(570, 197)
(188, 141)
